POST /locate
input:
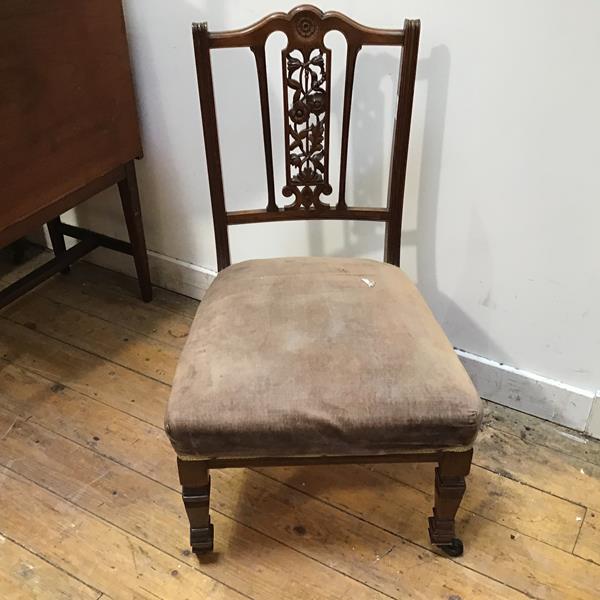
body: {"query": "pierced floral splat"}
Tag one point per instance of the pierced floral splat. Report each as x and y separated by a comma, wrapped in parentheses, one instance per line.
(306, 97)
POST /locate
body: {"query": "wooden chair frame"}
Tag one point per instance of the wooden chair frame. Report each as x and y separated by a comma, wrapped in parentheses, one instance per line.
(305, 27)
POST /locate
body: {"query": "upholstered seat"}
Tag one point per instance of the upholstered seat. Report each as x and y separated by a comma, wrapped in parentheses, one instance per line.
(317, 356)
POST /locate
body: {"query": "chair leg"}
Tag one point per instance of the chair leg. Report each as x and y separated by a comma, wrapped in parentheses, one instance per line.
(130, 200)
(449, 489)
(195, 483)
(57, 239)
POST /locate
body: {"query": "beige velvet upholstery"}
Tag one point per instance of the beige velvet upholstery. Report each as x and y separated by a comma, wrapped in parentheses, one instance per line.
(301, 357)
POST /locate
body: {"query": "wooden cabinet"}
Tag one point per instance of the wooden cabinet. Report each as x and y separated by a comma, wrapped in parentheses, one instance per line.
(68, 116)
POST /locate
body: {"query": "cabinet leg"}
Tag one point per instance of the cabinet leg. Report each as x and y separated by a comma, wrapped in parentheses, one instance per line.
(57, 239)
(130, 200)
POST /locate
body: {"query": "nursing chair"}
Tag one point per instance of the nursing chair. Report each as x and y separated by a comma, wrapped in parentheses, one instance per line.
(310, 361)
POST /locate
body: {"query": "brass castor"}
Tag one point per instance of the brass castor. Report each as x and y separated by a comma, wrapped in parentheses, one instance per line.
(454, 548)
(201, 539)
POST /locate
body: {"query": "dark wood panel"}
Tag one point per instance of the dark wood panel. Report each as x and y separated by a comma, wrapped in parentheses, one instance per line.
(67, 105)
(25, 222)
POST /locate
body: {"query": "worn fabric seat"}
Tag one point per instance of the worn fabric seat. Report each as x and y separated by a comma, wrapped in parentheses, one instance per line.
(317, 356)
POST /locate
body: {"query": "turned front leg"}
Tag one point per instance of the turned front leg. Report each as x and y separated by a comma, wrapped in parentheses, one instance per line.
(195, 483)
(449, 490)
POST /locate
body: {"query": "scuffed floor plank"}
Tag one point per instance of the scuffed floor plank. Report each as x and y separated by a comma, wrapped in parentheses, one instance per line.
(554, 472)
(517, 560)
(25, 576)
(106, 283)
(86, 373)
(124, 346)
(520, 507)
(588, 543)
(543, 433)
(103, 556)
(100, 300)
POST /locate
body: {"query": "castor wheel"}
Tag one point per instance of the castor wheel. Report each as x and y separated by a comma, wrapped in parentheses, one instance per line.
(201, 539)
(454, 548)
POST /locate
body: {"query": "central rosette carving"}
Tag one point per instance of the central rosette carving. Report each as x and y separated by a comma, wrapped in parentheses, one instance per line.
(306, 27)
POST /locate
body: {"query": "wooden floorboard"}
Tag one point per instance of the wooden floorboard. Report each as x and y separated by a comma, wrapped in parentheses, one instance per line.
(85, 371)
(103, 556)
(24, 574)
(588, 542)
(543, 433)
(509, 503)
(152, 512)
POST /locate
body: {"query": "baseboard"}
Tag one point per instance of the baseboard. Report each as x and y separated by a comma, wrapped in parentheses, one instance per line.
(166, 272)
(593, 425)
(530, 393)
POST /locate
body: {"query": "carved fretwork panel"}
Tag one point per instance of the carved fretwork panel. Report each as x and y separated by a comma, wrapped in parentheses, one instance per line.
(306, 81)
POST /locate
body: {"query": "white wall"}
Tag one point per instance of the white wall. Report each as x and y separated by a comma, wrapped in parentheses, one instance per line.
(503, 188)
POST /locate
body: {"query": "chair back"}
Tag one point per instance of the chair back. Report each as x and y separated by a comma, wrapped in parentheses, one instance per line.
(306, 71)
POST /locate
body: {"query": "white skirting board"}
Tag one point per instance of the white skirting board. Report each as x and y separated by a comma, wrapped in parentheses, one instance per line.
(593, 426)
(166, 272)
(533, 394)
(530, 393)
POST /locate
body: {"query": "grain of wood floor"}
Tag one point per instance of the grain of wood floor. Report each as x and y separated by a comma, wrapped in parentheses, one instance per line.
(89, 498)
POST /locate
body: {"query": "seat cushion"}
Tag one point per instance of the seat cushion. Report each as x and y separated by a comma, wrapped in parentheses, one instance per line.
(317, 356)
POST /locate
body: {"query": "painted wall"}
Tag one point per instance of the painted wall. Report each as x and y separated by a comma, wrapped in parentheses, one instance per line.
(503, 190)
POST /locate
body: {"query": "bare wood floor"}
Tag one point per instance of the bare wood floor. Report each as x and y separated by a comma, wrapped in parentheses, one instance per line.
(90, 506)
